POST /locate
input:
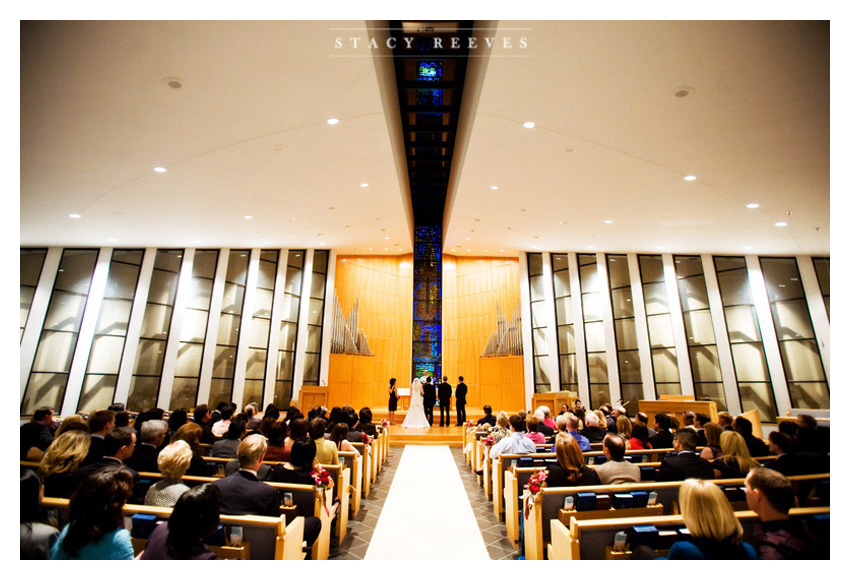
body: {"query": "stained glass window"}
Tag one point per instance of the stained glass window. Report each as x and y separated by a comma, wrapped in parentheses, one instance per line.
(427, 296)
(430, 71)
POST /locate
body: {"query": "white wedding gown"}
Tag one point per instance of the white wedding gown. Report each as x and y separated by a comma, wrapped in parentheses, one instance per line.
(415, 418)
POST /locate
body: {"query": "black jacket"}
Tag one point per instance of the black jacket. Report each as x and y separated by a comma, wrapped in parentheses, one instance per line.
(460, 394)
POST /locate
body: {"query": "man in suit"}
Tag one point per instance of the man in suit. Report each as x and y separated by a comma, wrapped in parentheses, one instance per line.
(445, 395)
(37, 435)
(460, 401)
(145, 455)
(662, 439)
(429, 397)
(242, 493)
(616, 470)
(118, 446)
(755, 446)
(685, 462)
(100, 424)
(488, 417)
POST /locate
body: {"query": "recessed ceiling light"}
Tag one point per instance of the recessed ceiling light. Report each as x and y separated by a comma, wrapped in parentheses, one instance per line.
(386, 249)
(608, 222)
(333, 121)
(501, 250)
(494, 187)
(483, 250)
(690, 178)
(323, 243)
(75, 216)
(160, 169)
(292, 219)
(781, 224)
(249, 217)
(112, 240)
(364, 185)
(370, 249)
(752, 205)
(466, 239)
(386, 237)
(528, 125)
(468, 249)
(748, 247)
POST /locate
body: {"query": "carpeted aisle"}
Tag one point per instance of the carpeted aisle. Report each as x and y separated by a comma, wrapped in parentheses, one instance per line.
(427, 515)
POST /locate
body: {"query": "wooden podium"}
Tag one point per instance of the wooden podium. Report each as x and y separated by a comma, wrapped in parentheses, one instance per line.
(311, 396)
(554, 400)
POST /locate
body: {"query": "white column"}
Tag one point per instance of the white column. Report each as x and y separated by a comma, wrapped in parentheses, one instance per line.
(77, 373)
(527, 349)
(327, 320)
(578, 328)
(274, 324)
(172, 344)
(303, 315)
(37, 314)
(242, 349)
(721, 337)
(134, 327)
(614, 389)
(680, 337)
(641, 329)
(817, 309)
(553, 359)
(768, 335)
(213, 321)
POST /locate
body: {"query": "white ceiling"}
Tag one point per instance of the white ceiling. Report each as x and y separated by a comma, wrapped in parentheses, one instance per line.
(247, 135)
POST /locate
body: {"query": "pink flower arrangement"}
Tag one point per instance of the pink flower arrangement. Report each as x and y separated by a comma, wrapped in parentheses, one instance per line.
(488, 441)
(536, 482)
(384, 423)
(367, 440)
(470, 424)
(321, 477)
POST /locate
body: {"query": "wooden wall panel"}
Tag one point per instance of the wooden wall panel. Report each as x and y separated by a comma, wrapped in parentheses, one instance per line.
(384, 287)
(471, 289)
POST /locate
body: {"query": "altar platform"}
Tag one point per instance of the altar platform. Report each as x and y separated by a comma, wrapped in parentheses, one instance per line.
(435, 435)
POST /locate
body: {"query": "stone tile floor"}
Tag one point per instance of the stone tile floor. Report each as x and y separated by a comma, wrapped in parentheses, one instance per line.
(360, 529)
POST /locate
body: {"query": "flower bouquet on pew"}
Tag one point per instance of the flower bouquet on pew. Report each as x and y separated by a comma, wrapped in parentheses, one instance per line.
(384, 423)
(367, 439)
(488, 441)
(536, 482)
(323, 482)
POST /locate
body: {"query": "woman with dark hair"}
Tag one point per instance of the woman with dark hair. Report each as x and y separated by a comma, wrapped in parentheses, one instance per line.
(392, 406)
(194, 518)
(178, 418)
(292, 414)
(36, 537)
(191, 433)
(326, 451)
(296, 430)
(276, 451)
(271, 412)
(570, 470)
(96, 529)
(227, 446)
(338, 437)
(300, 464)
(639, 438)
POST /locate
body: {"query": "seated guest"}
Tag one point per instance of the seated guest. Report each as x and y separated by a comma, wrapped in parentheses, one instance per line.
(297, 428)
(194, 518)
(153, 433)
(191, 433)
(642, 419)
(37, 435)
(516, 443)
(271, 411)
(178, 418)
(592, 431)
(122, 418)
(809, 437)
(326, 450)
(242, 493)
(663, 438)
(755, 446)
(300, 465)
(292, 413)
(778, 537)
(338, 438)
(700, 421)
(201, 415)
(276, 435)
(715, 532)
(624, 428)
(501, 428)
(118, 446)
(220, 427)
(96, 523)
(364, 425)
(350, 418)
(531, 425)
(570, 469)
(725, 420)
(72, 423)
(542, 413)
(228, 446)
(173, 461)
(684, 463)
(616, 470)
(59, 465)
(568, 425)
(735, 461)
(547, 420)
(37, 537)
(640, 438)
(712, 441)
(100, 423)
(488, 417)
(791, 461)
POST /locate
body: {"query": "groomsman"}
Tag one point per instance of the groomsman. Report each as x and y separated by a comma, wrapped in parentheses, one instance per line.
(445, 395)
(460, 401)
(429, 397)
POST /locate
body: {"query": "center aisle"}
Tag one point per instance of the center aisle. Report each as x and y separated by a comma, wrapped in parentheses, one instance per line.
(427, 515)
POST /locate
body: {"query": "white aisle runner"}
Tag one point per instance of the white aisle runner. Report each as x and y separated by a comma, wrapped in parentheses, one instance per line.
(427, 515)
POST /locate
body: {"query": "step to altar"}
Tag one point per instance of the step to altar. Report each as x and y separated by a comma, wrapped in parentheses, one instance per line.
(435, 435)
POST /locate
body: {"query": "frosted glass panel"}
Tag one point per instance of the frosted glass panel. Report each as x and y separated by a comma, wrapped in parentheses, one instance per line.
(564, 310)
(225, 361)
(98, 393)
(809, 395)
(541, 373)
(204, 263)
(233, 297)
(163, 287)
(156, 321)
(589, 278)
(65, 311)
(621, 300)
(569, 373)
(566, 339)
(284, 366)
(592, 306)
(687, 266)
(189, 360)
(660, 330)
(311, 369)
(114, 317)
(194, 327)
(263, 303)
(317, 287)
(291, 306)
(288, 332)
(626, 334)
(228, 330)
(792, 320)
(561, 281)
(315, 311)
(44, 389)
(314, 339)
(105, 356)
(55, 352)
(149, 357)
(537, 287)
(201, 293)
(742, 324)
(699, 328)
(535, 264)
(237, 266)
(259, 337)
(802, 360)
(267, 273)
(618, 272)
(293, 281)
(693, 293)
(629, 361)
(655, 297)
(168, 260)
(750, 365)
(121, 282)
(597, 368)
(256, 368)
(665, 365)
(594, 336)
(704, 363)
(538, 314)
(538, 336)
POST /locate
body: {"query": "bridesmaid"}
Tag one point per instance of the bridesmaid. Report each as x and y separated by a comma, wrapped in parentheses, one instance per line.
(393, 404)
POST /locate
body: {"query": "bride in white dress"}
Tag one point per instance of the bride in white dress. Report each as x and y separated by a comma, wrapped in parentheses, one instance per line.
(415, 418)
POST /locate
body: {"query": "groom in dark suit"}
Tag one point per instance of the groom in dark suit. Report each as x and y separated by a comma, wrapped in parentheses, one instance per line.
(429, 397)
(445, 395)
(460, 401)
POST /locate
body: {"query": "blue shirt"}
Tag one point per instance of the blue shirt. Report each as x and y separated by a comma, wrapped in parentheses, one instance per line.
(583, 442)
(116, 545)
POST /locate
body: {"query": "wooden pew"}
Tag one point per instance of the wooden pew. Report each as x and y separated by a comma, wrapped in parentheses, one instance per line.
(548, 504)
(367, 466)
(340, 474)
(354, 462)
(593, 539)
(264, 538)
